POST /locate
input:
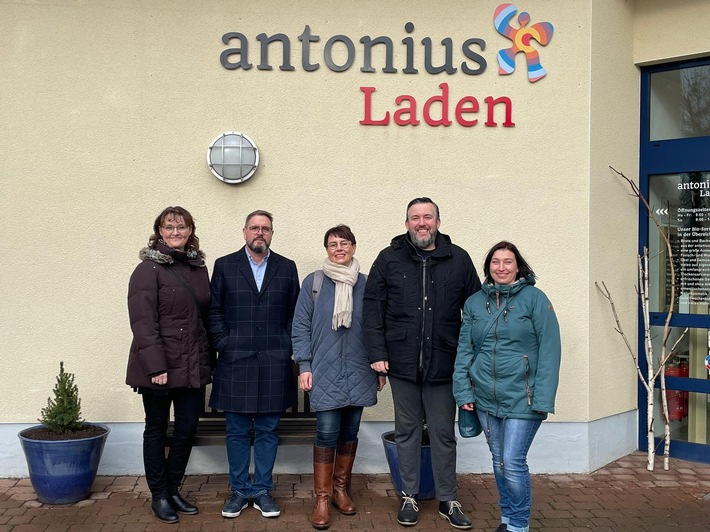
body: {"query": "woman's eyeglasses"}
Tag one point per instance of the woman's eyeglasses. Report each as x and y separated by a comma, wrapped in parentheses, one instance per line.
(345, 244)
(178, 228)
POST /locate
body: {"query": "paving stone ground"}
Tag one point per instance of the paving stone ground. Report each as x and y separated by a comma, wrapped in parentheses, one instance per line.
(620, 497)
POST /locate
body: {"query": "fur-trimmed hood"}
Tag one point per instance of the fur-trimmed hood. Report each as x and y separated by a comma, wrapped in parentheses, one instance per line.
(164, 255)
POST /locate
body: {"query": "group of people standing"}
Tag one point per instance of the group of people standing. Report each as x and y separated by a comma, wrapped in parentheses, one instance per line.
(421, 320)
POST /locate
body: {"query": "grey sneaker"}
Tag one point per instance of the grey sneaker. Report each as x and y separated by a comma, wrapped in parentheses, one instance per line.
(451, 511)
(234, 505)
(266, 504)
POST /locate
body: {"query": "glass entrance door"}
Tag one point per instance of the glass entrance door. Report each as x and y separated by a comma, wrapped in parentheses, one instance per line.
(683, 208)
(675, 177)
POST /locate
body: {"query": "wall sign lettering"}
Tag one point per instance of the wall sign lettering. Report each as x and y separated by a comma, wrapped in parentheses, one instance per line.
(466, 58)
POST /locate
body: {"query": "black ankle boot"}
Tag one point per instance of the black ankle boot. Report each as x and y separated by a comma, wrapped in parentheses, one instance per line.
(163, 510)
(181, 506)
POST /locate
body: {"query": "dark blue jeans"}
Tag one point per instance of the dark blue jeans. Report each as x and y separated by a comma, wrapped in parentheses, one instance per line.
(340, 424)
(509, 441)
(164, 473)
(266, 444)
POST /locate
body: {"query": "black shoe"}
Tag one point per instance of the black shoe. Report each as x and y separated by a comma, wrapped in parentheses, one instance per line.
(502, 528)
(407, 515)
(163, 510)
(182, 506)
(451, 511)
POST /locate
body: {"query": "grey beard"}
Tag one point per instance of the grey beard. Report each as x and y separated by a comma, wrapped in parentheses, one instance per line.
(258, 247)
(422, 243)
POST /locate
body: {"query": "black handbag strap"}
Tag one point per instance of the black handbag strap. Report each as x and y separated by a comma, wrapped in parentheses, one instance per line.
(488, 326)
(189, 289)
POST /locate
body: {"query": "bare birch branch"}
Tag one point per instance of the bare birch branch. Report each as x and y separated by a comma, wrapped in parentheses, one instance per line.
(654, 368)
(649, 382)
(672, 350)
(635, 191)
(605, 292)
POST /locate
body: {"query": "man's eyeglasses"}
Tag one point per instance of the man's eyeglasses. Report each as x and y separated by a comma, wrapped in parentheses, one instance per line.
(345, 244)
(179, 228)
(254, 229)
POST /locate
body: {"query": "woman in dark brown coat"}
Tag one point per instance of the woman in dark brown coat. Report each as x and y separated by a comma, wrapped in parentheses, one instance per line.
(169, 362)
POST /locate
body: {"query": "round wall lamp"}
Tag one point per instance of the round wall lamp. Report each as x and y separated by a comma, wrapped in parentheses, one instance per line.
(233, 157)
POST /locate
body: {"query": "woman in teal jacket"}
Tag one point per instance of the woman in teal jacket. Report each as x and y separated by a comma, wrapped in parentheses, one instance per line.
(507, 368)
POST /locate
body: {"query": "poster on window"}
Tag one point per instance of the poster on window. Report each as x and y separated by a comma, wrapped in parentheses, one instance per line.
(681, 203)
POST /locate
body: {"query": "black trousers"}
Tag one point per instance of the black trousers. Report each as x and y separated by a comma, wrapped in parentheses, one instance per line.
(411, 401)
(164, 473)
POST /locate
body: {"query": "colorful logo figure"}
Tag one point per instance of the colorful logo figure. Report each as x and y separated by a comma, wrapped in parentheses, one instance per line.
(522, 41)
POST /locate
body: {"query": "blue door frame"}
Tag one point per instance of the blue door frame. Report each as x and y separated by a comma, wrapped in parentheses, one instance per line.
(669, 157)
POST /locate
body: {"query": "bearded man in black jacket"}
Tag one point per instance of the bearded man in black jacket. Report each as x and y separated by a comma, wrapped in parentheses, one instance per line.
(414, 296)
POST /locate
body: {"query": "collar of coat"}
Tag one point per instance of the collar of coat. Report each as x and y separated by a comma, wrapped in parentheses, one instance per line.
(494, 290)
(442, 245)
(165, 255)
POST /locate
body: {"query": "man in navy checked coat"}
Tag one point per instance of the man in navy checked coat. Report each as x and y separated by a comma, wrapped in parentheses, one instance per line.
(254, 293)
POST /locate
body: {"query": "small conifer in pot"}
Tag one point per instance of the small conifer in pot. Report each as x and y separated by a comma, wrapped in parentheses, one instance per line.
(62, 415)
(63, 453)
(61, 418)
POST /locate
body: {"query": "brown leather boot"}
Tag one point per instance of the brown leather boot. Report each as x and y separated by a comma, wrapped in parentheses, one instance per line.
(323, 485)
(341, 477)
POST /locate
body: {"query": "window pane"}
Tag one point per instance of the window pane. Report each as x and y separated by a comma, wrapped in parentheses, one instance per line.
(688, 412)
(681, 203)
(680, 103)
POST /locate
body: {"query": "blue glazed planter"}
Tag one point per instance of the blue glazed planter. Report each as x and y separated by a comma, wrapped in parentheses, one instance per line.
(427, 489)
(63, 471)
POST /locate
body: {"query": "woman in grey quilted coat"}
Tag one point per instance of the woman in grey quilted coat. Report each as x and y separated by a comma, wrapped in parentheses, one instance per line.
(334, 369)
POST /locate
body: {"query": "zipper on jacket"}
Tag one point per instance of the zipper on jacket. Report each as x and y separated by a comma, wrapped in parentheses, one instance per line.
(527, 383)
(495, 369)
(423, 319)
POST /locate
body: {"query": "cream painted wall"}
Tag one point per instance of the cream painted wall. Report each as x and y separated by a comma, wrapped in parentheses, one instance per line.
(666, 31)
(109, 108)
(613, 235)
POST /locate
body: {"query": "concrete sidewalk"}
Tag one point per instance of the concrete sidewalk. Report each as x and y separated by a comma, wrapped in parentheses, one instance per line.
(620, 497)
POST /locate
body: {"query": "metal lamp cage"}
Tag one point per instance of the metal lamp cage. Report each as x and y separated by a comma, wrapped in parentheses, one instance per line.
(233, 157)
